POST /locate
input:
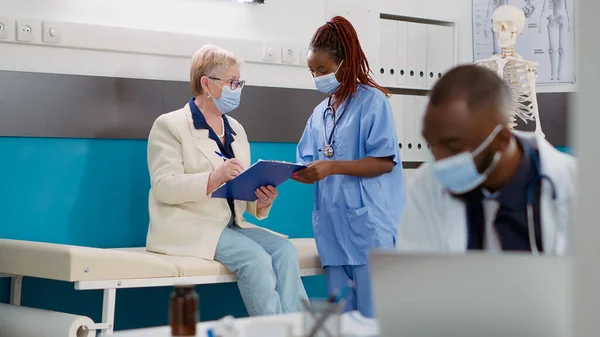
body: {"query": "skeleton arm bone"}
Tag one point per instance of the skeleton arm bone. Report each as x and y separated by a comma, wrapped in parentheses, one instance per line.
(542, 16)
(532, 78)
(488, 17)
(568, 18)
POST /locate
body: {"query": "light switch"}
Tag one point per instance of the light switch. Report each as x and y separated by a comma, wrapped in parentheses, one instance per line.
(52, 32)
(26, 30)
(271, 52)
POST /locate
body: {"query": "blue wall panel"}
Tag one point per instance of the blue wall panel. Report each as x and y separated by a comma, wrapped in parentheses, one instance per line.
(93, 192)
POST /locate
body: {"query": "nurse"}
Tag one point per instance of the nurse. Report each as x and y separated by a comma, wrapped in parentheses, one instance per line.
(350, 147)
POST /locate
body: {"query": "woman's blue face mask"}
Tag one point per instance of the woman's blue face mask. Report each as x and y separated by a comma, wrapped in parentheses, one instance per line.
(459, 174)
(229, 100)
(327, 84)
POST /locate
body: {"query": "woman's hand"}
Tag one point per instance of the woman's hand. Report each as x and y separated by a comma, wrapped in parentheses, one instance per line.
(315, 171)
(266, 195)
(230, 169)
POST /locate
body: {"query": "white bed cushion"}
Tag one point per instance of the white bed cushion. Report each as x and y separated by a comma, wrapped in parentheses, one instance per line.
(76, 263)
(191, 266)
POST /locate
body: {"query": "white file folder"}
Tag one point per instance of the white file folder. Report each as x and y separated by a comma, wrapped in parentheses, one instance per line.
(409, 129)
(401, 55)
(440, 52)
(388, 51)
(447, 49)
(397, 103)
(422, 150)
(417, 54)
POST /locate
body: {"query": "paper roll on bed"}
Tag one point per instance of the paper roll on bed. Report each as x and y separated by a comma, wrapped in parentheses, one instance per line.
(17, 321)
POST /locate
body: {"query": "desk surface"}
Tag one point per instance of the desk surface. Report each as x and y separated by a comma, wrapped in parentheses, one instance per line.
(203, 327)
(352, 325)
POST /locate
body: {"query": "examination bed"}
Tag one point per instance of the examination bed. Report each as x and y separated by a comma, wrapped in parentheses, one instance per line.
(112, 269)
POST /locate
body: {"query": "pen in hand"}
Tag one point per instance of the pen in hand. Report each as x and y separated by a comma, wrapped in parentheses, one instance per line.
(221, 155)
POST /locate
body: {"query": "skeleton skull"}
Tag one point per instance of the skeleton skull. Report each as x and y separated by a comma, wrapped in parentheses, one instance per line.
(508, 24)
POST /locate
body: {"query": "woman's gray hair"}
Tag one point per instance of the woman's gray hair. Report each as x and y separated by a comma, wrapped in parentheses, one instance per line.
(210, 61)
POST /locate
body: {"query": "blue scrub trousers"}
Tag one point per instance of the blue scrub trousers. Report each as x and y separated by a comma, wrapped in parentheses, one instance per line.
(267, 267)
(358, 298)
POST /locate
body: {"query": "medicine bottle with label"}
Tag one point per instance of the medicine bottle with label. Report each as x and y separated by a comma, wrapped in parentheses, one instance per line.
(183, 311)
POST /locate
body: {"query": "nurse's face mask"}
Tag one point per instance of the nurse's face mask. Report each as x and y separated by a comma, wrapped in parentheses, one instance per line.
(327, 84)
(230, 95)
(459, 173)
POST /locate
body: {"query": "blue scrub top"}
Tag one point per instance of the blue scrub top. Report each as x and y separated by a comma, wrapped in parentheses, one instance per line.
(353, 215)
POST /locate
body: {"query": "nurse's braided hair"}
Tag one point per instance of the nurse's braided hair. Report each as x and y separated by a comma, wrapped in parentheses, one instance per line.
(340, 39)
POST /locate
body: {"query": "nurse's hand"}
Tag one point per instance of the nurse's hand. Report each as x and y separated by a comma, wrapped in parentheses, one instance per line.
(315, 171)
(266, 195)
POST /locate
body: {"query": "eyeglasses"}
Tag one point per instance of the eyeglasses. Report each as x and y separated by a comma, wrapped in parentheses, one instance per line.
(233, 84)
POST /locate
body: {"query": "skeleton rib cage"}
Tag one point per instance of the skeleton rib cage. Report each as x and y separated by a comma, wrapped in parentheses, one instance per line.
(515, 75)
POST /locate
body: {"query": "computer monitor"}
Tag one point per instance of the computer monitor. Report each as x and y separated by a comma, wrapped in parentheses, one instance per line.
(471, 295)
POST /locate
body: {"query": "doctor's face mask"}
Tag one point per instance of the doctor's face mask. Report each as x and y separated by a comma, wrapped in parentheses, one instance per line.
(459, 173)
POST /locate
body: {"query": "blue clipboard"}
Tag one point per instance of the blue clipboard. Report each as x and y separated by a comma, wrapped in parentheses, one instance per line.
(262, 173)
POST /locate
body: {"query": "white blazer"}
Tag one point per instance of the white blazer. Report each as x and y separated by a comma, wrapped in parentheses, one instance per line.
(184, 220)
(434, 221)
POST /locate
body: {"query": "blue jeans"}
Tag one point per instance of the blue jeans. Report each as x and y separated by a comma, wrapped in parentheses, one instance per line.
(267, 267)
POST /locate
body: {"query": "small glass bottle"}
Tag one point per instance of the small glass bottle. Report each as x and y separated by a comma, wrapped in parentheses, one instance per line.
(183, 313)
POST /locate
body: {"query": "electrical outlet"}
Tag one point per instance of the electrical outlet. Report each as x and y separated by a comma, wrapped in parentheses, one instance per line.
(271, 52)
(5, 28)
(25, 30)
(289, 54)
(52, 32)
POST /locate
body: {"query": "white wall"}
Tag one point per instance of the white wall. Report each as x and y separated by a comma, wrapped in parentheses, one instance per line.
(278, 20)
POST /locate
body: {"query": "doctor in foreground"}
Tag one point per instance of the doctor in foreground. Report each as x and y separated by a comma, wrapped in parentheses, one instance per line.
(488, 189)
(353, 158)
(186, 151)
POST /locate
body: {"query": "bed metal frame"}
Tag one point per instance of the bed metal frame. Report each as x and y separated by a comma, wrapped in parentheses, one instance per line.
(106, 327)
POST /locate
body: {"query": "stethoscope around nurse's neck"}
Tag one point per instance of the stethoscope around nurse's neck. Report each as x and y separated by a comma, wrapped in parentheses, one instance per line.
(328, 139)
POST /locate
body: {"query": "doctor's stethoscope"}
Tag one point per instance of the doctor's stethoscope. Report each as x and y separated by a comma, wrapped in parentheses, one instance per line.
(537, 180)
(328, 150)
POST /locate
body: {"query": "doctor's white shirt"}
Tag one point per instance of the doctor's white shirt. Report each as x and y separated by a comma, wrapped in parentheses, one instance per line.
(435, 221)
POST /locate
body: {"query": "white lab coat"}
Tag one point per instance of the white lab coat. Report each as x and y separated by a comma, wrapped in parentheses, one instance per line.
(434, 221)
(184, 220)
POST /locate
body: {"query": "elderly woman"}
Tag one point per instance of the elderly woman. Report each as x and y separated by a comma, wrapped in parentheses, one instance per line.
(191, 152)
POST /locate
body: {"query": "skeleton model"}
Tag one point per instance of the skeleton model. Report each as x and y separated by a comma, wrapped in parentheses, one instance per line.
(528, 8)
(492, 5)
(559, 24)
(519, 74)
